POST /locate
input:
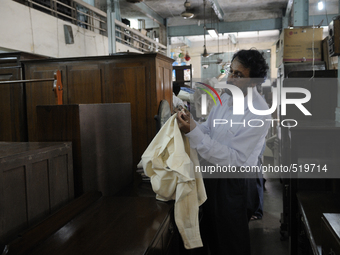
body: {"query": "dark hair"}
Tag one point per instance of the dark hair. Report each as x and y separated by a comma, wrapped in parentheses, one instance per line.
(176, 87)
(254, 60)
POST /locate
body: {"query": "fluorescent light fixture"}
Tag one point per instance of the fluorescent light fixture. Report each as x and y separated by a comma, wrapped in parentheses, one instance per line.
(320, 5)
(212, 32)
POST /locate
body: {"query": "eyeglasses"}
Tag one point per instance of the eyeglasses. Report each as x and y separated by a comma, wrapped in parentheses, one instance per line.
(229, 72)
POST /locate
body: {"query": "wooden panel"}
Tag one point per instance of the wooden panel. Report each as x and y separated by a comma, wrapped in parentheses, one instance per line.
(13, 127)
(24, 183)
(84, 84)
(102, 143)
(62, 124)
(12, 109)
(129, 86)
(38, 204)
(59, 181)
(106, 147)
(40, 93)
(13, 209)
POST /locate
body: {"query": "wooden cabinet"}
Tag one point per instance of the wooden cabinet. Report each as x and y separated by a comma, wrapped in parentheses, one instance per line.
(36, 179)
(13, 127)
(315, 191)
(142, 80)
(101, 142)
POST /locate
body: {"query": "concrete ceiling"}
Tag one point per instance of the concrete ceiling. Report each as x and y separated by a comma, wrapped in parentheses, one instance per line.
(240, 10)
(234, 11)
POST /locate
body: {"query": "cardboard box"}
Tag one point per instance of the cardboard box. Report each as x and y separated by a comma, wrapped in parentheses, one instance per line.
(296, 45)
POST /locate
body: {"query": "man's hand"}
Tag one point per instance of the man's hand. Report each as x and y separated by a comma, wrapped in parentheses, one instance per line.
(185, 123)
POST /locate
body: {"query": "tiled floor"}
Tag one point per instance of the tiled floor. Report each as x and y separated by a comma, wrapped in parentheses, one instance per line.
(265, 233)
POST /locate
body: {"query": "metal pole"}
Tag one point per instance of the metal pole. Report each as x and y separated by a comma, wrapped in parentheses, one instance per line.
(20, 81)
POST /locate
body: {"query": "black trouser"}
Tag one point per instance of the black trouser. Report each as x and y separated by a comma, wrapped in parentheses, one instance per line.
(224, 225)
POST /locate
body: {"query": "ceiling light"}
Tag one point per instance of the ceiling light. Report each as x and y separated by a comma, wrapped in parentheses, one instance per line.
(212, 32)
(187, 15)
(205, 53)
(320, 5)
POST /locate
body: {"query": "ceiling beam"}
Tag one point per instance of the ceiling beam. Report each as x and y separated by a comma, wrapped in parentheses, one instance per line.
(217, 9)
(244, 26)
(228, 27)
(151, 13)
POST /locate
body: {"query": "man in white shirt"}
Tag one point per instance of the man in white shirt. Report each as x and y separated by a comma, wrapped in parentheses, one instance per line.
(237, 143)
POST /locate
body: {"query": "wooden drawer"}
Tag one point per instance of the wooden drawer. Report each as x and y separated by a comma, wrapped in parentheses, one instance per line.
(330, 229)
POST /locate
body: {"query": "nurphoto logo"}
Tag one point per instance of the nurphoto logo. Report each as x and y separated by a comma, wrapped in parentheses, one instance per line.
(238, 102)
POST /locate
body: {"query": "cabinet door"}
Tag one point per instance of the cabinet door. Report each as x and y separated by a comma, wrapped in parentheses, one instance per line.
(127, 84)
(84, 83)
(41, 93)
(12, 109)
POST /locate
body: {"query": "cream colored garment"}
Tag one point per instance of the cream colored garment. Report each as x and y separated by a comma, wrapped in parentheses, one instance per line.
(172, 172)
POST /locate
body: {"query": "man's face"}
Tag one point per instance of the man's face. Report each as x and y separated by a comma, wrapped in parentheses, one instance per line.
(239, 76)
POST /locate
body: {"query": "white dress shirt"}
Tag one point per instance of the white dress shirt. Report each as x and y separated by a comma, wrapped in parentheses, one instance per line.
(170, 162)
(237, 144)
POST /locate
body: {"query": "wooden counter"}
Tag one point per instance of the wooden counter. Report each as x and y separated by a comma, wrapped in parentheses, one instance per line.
(110, 225)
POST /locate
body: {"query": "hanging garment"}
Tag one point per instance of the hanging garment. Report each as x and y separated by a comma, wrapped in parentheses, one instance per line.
(170, 163)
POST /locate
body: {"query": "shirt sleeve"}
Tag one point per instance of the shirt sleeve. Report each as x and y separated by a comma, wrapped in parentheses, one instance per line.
(239, 148)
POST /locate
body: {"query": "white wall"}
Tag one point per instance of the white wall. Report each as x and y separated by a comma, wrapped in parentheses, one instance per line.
(29, 30)
(124, 48)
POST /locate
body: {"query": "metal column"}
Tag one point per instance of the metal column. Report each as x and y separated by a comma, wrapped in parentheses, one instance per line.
(111, 27)
(301, 13)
